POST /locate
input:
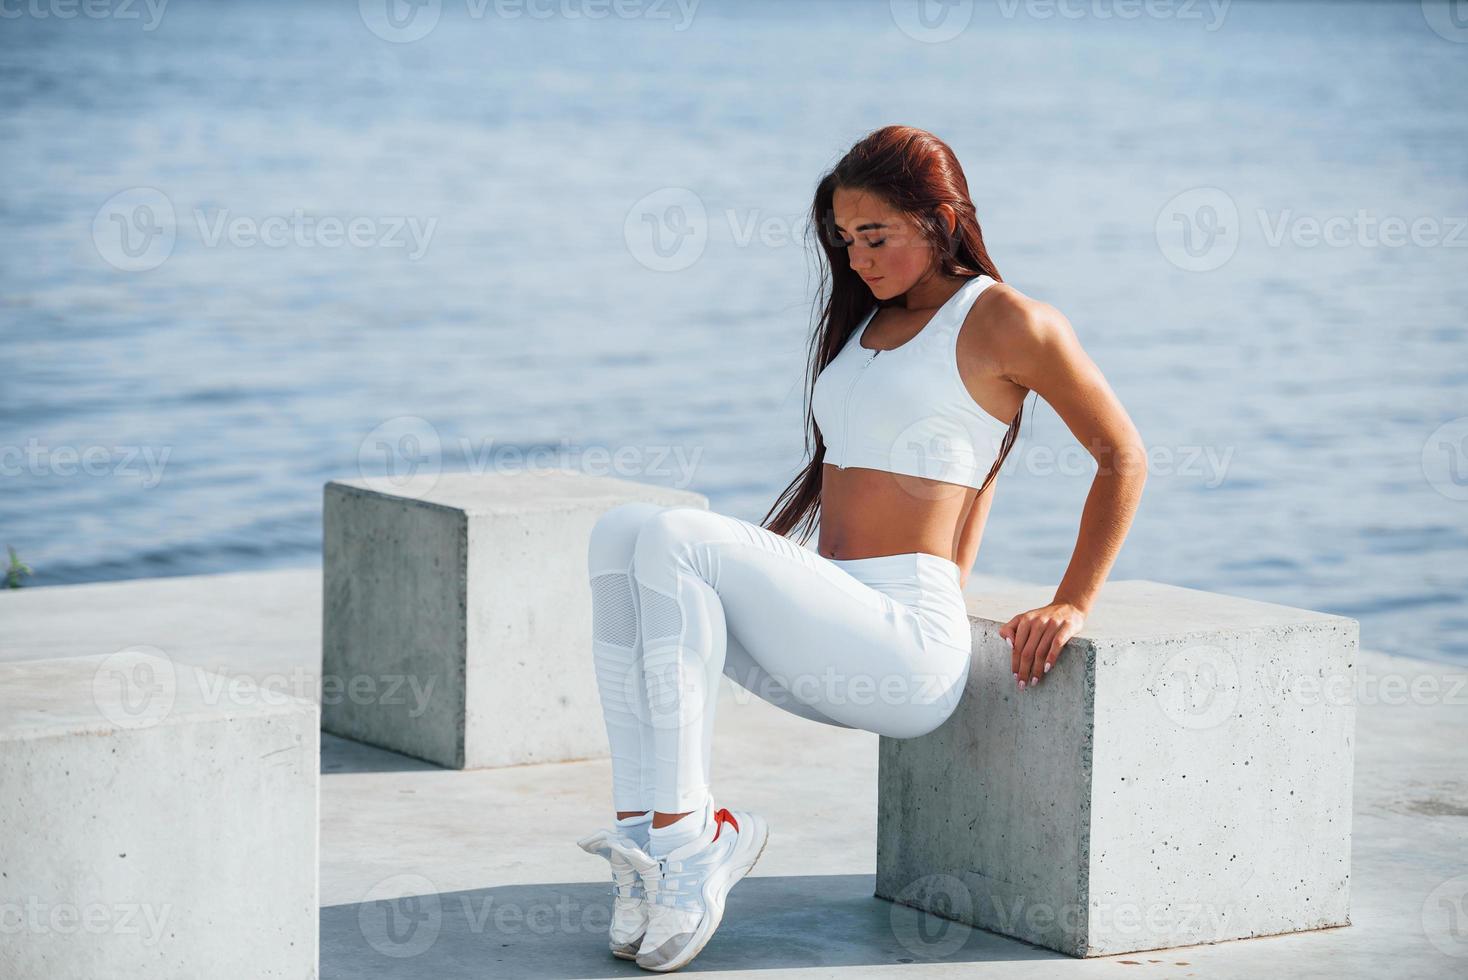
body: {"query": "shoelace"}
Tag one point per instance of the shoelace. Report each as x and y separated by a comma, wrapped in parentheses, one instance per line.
(626, 883)
(667, 885)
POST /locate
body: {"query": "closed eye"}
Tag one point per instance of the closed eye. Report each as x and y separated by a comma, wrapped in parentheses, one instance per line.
(839, 239)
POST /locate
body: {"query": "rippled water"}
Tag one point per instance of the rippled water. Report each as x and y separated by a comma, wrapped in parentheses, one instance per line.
(183, 418)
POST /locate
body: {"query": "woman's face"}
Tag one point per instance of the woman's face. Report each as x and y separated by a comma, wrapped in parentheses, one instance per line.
(884, 247)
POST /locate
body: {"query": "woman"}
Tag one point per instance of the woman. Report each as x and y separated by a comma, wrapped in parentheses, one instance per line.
(920, 357)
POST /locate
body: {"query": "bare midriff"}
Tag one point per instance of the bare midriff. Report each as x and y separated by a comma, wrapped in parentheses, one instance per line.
(867, 513)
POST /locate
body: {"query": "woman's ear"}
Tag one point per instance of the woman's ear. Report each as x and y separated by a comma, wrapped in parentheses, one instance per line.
(950, 218)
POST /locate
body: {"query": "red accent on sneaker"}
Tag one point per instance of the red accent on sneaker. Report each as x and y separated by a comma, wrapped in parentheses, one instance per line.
(721, 816)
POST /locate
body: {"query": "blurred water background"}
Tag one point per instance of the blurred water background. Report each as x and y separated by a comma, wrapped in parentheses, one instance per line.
(572, 233)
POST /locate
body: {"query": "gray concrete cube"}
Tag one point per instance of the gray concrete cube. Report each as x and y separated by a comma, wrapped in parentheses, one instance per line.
(457, 620)
(155, 820)
(1183, 775)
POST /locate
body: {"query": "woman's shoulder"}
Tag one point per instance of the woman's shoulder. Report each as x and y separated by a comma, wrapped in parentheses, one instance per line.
(1005, 313)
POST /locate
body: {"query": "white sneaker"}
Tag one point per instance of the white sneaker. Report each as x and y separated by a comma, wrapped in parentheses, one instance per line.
(629, 901)
(686, 888)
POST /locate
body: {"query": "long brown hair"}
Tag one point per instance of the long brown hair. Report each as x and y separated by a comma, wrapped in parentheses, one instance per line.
(914, 171)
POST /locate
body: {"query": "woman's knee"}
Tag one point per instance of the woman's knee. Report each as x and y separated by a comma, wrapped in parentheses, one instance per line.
(667, 532)
(614, 535)
(917, 726)
(917, 720)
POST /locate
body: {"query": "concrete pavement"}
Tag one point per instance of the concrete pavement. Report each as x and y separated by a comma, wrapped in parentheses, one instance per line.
(429, 872)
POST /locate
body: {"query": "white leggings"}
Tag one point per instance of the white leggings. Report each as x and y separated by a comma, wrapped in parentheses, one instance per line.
(681, 595)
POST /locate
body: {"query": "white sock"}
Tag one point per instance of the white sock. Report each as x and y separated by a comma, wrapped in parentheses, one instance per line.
(664, 840)
(636, 828)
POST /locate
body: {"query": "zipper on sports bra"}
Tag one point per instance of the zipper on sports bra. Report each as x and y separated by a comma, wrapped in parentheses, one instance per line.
(846, 408)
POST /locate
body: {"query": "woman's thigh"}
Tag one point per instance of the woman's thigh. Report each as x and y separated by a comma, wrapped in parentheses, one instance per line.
(610, 554)
(746, 672)
(835, 644)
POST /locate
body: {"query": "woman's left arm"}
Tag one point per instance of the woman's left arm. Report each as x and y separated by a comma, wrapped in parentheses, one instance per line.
(1043, 354)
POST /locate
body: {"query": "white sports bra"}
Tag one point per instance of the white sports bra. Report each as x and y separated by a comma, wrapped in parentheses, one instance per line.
(909, 412)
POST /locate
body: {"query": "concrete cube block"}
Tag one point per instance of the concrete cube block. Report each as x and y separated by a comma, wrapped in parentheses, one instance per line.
(457, 618)
(156, 820)
(1183, 775)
